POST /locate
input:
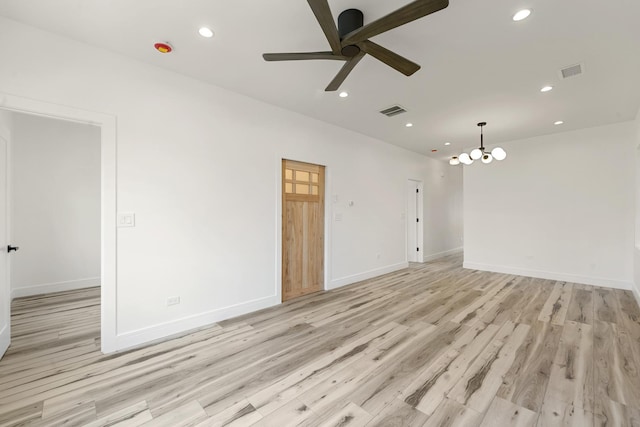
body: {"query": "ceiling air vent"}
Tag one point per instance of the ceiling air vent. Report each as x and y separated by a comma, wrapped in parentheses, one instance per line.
(573, 70)
(393, 111)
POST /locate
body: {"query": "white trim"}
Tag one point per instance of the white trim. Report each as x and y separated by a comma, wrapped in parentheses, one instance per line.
(278, 277)
(343, 281)
(46, 288)
(438, 255)
(107, 124)
(328, 224)
(5, 340)
(5, 294)
(636, 293)
(573, 278)
(164, 331)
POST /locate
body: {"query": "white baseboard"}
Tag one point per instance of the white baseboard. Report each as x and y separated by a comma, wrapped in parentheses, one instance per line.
(573, 278)
(47, 288)
(343, 281)
(166, 330)
(438, 255)
(5, 340)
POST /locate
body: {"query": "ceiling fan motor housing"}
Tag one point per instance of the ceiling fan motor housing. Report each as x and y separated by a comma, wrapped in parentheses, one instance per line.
(348, 21)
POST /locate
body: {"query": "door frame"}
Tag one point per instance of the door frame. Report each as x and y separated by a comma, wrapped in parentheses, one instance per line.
(419, 215)
(108, 207)
(5, 335)
(278, 228)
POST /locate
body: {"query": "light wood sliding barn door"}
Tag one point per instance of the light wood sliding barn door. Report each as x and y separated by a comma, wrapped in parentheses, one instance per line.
(302, 229)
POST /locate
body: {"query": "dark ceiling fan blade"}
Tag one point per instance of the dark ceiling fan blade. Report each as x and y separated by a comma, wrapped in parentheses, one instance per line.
(411, 12)
(323, 14)
(301, 56)
(390, 58)
(344, 72)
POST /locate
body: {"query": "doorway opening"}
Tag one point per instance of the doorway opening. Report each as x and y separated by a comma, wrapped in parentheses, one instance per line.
(95, 176)
(414, 221)
(303, 188)
(54, 227)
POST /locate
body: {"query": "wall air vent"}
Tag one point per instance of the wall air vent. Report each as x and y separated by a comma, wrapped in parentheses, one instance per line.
(393, 111)
(573, 70)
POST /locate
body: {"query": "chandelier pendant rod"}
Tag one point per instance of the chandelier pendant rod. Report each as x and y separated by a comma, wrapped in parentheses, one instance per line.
(482, 124)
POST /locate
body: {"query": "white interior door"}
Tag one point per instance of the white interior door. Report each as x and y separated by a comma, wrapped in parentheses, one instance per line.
(415, 252)
(412, 222)
(5, 313)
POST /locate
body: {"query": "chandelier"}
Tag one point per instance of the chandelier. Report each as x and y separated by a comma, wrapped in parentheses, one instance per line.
(479, 153)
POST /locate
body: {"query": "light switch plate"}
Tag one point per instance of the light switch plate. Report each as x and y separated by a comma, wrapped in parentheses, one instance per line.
(126, 219)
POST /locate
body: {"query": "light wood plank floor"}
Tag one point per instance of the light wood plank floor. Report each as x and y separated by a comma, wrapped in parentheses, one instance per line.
(432, 345)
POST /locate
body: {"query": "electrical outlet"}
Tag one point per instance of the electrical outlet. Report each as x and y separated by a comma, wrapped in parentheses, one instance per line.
(173, 301)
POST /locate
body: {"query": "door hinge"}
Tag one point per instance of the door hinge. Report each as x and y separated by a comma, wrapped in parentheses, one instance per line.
(417, 191)
(418, 249)
(417, 219)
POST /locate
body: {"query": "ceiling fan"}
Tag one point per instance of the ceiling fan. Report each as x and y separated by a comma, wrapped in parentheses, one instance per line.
(350, 42)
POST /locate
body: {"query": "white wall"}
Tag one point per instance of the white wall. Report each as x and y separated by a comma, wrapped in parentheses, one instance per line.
(55, 205)
(200, 167)
(443, 211)
(6, 128)
(559, 207)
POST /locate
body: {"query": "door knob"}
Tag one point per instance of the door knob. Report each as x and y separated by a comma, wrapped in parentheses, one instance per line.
(12, 248)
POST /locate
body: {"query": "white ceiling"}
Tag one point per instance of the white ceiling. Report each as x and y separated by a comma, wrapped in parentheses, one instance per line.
(477, 64)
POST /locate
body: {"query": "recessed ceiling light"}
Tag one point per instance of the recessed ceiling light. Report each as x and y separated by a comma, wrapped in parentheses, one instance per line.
(522, 14)
(546, 89)
(447, 143)
(343, 94)
(559, 122)
(409, 125)
(205, 32)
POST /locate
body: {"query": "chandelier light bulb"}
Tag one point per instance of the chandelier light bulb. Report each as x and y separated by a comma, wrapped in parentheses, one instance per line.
(464, 158)
(498, 153)
(479, 153)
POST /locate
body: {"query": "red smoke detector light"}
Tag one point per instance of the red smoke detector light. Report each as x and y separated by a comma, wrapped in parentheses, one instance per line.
(163, 47)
